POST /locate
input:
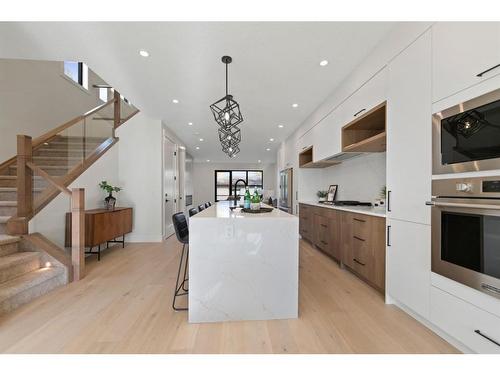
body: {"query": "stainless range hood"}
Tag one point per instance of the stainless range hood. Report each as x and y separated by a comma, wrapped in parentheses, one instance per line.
(340, 157)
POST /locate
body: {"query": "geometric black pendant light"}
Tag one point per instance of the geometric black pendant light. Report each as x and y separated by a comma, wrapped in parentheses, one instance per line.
(228, 116)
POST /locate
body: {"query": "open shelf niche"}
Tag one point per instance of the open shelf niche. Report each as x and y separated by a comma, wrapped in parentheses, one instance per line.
(306, 160)
(366, 133)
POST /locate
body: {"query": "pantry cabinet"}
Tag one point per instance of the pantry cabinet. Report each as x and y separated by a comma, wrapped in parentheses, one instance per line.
(409, 138)
(462, 54)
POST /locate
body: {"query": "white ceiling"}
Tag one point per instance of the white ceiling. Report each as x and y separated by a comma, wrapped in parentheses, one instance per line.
(274, 65)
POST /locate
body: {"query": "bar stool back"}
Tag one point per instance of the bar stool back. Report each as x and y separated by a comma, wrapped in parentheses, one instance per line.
(201, 207)
(193, 211)
(182, 234)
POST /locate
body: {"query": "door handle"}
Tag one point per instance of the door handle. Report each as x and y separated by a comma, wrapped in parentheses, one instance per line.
(357, 261)
(486, 337)
(360, 111)
(388, 200)
(487, 70)
(388, 235)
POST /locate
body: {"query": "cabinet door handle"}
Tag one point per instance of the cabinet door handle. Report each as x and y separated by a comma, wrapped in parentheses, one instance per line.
(359, 239)
(486, 337)
(388, 201)
(357, 261)
(487, 70)
(360, 220)
(324, 226)
(388, 235)
(360, 111)
(324, 243)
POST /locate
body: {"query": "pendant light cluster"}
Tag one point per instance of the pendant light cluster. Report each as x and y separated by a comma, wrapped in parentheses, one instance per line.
(227, 114)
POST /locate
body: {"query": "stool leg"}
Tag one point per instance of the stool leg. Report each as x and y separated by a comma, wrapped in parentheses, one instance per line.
(185, 271)
(177, 286)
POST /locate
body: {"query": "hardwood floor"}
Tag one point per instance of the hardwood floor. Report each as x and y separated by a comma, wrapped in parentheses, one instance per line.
(123, 305)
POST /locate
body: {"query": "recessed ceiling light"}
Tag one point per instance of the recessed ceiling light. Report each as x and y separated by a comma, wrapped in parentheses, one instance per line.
(190, 123)
(295, 105)
(280, 126)
(201, 139)
(268, 149)
(258, 161)
(323, 63)
(197, 147)
(208, 160)
(271, 139)
(143, 53)
(175, 101)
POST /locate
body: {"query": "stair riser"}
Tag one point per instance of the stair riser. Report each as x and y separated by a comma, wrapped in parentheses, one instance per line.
(8, 210)
(7, 182)
(42, 161)
(64, 153)
(30, 294)
(19, 269)
(8, 249)
(8, 195)
(39, 183)
(3, 228)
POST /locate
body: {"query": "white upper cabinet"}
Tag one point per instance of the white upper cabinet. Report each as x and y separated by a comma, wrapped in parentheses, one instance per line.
(280, 157)
(305, 141)
(460, 52)
(409, 125)
(326, 137)
(289, 153)
(371, 94)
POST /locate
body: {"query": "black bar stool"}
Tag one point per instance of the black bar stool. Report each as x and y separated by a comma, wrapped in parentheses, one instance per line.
(193, 211)
(182, 233)
(201, 207)
(207, 205)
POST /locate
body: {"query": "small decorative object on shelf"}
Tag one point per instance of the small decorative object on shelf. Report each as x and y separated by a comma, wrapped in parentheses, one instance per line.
(109, 201)
(332, 193)
(322, 194)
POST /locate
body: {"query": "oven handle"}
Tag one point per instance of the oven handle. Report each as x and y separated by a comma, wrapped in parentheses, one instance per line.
(464, 205)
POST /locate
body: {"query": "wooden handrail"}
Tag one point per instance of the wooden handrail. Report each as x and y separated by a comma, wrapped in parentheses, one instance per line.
(49, 178)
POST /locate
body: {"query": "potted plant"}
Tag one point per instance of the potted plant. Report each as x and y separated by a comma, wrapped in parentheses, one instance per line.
(109, 201)
(322, 194)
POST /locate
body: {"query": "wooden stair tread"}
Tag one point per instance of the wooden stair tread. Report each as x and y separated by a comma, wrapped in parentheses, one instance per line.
(8, 203)
(4, 219)
(19, 284)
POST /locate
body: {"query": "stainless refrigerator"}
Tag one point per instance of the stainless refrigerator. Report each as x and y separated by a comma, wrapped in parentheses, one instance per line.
(285, 202)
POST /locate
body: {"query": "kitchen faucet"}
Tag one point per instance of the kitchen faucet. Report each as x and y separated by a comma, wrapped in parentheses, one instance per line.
(236, 191)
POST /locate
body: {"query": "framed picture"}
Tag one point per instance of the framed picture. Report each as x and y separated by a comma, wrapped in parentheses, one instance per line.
(332, 193)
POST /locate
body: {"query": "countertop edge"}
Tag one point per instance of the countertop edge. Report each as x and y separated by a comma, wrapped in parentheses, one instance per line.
(365, 211)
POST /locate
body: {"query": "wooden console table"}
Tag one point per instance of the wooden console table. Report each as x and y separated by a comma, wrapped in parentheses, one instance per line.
(102, 226)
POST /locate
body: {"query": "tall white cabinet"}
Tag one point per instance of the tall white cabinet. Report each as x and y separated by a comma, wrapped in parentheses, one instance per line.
(409, 176)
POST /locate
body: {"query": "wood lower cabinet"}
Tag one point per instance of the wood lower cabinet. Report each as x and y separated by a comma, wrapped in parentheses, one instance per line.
(357, 241)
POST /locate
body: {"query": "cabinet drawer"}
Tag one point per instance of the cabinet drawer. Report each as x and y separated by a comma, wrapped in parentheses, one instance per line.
(465, 322)
(361, 227)
(361, 259)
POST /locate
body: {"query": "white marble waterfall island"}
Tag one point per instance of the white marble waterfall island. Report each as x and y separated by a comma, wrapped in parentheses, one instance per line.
(243, 266)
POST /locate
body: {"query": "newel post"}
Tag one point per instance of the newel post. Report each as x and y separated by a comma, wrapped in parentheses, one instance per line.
(117, 109)
(24, 176)
(78, 233)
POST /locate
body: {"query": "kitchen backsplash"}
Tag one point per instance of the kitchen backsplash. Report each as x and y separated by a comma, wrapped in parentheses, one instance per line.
(360, 178)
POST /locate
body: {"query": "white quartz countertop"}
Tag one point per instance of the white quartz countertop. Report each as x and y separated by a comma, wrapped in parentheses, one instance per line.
(220, 210)
(373, 211)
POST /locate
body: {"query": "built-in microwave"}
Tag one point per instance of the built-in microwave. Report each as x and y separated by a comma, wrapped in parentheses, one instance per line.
(466, 137)
(466, 231)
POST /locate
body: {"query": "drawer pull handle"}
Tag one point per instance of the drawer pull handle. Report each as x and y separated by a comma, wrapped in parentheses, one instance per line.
(388, 235)
(324, 225)
(388, 200)
(360, 111)
(488, 70)
(357, 261)
(486, 337)
(490, 288)
(358, 238)
(324, 243)
(360, 220)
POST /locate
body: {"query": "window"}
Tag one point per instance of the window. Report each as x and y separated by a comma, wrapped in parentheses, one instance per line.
(103, 94)
(77, 72)
(224, 182)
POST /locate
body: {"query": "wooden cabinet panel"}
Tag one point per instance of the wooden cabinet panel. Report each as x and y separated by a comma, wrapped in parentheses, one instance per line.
(305, 222)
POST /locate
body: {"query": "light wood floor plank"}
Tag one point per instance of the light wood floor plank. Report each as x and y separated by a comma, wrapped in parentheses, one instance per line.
(123, 305)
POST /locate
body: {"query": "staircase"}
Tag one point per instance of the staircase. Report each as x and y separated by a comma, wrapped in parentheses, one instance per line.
(31, 265)
(26, 275)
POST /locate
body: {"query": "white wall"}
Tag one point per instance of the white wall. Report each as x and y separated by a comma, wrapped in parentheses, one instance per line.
(36, 97)
(140, 170)
(204, 178)
(360, 178)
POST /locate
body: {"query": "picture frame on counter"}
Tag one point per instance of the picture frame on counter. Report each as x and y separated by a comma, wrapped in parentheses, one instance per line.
(332, 193)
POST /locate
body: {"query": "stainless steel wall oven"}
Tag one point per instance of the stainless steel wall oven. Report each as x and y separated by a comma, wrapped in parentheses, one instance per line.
(466, 231)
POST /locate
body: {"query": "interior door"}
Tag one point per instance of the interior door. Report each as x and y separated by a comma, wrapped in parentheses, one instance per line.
(169, 185)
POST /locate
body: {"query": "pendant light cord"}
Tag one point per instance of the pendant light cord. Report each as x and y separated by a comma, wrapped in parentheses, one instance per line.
(226, 79)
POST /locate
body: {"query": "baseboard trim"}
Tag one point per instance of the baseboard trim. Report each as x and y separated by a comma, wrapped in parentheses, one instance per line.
(132, 237)
(438, 331)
